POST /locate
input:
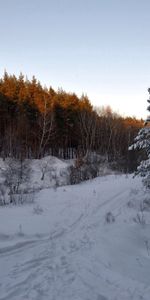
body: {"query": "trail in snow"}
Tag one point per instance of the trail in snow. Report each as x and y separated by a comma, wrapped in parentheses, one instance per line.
(69, 252)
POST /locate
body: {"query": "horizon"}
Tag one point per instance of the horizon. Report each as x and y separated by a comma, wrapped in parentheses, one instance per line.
(91, 47)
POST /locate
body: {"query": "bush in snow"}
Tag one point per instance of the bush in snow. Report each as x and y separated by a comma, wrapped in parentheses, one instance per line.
(16, 175)
(109, 217)
(139, 219)
(142, 141)
(38, 210)
(83, 171)
(146, 204)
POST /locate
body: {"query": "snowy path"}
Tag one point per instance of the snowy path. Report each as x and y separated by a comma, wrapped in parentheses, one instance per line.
(61, 248)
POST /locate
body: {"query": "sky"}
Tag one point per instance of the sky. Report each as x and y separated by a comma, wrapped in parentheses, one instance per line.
(97, 47)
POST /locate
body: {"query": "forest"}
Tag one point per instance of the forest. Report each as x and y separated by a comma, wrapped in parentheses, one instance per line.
(37, 121)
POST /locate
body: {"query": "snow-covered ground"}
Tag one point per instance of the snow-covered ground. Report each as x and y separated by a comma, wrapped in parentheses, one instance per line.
(61, 247)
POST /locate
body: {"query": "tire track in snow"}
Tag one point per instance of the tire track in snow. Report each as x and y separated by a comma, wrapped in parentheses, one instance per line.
(49, 267)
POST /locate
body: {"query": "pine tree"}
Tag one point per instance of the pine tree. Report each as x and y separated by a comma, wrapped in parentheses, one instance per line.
(142, 141)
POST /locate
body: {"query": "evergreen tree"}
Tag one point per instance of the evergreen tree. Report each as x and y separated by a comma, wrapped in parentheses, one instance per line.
(142, 141)
(27, 110)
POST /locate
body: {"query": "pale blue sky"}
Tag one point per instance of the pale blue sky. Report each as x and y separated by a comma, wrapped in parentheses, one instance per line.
(99, 47)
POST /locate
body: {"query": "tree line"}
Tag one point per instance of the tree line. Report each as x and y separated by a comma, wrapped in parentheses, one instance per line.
(36, 121)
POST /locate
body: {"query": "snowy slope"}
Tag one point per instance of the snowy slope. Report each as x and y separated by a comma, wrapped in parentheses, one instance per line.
(62, 248)
(46, 172)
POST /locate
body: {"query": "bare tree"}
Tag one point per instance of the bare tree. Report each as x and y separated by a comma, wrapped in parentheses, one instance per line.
(87, 125)
(46, 122)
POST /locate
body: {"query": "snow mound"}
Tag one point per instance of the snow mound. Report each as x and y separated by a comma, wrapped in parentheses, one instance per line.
(49, 172)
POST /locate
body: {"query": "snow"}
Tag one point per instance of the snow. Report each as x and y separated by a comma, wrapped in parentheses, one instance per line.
(46, 172)
(55, 172)
(60, 247)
